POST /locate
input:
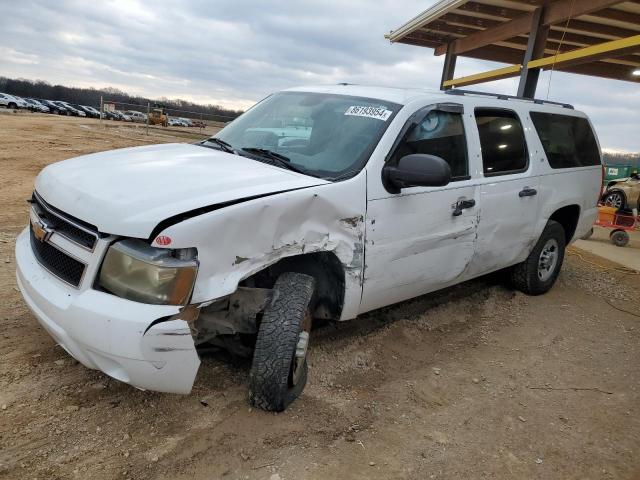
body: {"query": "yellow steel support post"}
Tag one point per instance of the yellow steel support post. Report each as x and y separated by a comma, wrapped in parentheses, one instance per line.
(593, 53)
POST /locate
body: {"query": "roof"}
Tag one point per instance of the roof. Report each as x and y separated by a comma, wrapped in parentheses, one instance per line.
(498, 30)
(398, 95)
(403, 96)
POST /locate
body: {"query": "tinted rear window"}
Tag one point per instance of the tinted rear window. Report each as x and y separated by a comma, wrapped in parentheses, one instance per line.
(504, 149)
(567, 141)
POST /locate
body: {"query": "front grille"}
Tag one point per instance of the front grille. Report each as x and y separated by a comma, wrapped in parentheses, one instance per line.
(82, 236)
(57, 262)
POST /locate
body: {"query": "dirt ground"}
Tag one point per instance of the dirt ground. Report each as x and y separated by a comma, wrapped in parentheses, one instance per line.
(476, 381)
(600, 244)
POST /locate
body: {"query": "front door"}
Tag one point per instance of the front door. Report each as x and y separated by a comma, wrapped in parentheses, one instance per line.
(508, 192)
(417, 240)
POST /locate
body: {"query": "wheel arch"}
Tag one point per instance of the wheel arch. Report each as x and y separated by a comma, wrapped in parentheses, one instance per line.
(324, 266)
(617, 189)
(567, 216)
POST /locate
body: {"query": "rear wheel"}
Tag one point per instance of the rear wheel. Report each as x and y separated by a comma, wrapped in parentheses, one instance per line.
(279, 369)
(587, 235)
(12, 106)
(538, 273)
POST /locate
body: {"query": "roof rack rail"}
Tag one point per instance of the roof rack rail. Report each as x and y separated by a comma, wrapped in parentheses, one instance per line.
(500, 96)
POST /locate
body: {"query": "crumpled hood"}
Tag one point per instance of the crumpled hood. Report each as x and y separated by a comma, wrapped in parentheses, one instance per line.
(129, 191)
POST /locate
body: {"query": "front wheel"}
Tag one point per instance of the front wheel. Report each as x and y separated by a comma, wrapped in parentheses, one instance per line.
(279, 369)
(538, 273)
(615, 199)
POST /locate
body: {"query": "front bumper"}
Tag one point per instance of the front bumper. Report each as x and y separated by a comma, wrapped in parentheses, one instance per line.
(129, 341)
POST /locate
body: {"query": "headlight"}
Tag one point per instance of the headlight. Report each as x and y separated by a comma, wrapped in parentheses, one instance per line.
(136, 271)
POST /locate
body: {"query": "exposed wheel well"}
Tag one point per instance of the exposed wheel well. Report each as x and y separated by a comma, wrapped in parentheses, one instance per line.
(327, 270)
(567, 217)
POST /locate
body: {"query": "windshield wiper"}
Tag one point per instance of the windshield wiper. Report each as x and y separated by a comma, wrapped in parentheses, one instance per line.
(278, 158)
(227, 147)
(342, 176)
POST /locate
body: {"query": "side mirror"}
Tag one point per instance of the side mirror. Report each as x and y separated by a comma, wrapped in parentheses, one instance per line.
(416, 170)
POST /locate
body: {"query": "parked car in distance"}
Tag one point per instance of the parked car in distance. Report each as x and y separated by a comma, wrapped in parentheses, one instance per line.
(177, 122)
(36, 106)
(54, 108)
(94, 111)
(122, 116)
(90, 112)
(110, 115)
(623, 192)
(71, 110)
(11, 101)
(134, 258)
(136, 116)
(45, 108)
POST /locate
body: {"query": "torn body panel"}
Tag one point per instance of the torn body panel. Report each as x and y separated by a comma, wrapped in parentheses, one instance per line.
(325, 218)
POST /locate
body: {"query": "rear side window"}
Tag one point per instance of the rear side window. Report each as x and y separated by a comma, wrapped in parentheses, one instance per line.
(504, 149)
(567, 141)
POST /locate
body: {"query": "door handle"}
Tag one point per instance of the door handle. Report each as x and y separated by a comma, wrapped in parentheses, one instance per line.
(527, 192)
(461, 205)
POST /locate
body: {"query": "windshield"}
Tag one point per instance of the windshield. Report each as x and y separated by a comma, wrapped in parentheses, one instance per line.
(320, 134)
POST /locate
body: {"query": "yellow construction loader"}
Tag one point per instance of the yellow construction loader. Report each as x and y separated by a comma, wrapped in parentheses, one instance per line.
(157, 116)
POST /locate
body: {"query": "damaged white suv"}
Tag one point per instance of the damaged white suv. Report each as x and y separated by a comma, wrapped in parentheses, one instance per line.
(321, 202)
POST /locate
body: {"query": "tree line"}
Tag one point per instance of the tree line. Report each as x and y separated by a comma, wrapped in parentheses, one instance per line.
(91, 97)
(614, 158)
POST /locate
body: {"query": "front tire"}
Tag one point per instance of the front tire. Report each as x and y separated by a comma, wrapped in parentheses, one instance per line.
(279, 369)
(615, 199)
(537, 274)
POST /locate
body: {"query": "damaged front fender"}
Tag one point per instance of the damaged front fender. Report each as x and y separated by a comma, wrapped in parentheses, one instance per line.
(240, 240)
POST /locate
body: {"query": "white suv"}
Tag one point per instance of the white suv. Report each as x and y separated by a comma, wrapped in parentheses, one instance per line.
(12, 102)
(136, 116)
(322, 202)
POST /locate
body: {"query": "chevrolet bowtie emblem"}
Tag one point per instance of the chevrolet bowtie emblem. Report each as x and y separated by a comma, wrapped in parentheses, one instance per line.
(40, 229)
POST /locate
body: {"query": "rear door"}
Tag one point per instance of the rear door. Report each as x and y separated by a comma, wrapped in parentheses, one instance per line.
(508, 191)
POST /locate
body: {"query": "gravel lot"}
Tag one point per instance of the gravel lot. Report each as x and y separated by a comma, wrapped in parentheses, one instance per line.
(476, 381)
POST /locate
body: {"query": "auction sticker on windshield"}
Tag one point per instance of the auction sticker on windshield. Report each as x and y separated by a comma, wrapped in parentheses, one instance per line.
(380, 113)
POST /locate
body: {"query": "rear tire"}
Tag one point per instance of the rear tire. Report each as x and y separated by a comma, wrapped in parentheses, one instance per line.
(279, 369)
(537, 274)
(12, 106)
(587, 235)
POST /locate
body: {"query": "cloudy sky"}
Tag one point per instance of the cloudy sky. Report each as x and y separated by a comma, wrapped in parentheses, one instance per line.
(233, 53)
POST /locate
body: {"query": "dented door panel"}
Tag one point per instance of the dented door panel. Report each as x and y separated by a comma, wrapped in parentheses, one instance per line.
(506, 233)
(416, 245)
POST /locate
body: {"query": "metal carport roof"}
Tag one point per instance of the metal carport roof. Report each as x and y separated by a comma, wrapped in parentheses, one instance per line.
(591, 37)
